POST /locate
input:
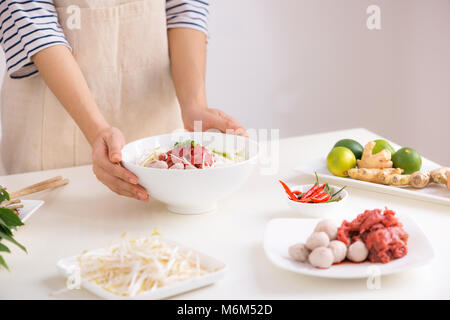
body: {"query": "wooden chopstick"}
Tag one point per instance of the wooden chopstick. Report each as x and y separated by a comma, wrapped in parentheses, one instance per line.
(57, 178)
(15, 207)
(7, 203)
(41, 186)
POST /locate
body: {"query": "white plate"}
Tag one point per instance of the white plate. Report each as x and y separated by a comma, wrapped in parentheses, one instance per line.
(67, 266)
(433, 192)
(280, 234)
(29, 207)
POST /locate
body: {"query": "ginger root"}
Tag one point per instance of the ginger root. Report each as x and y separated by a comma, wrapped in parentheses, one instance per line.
(380, 176)
(419, 179)
(394, 176)
(391, 176)
(381, 160)
(440, 175)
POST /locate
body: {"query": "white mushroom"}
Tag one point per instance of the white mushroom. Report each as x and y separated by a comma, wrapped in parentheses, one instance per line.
(357, 252)
(177, 165)
(157, 164)
(321, 258)
(339, 250)
(327, 226)
(299, 252)
(317, 239)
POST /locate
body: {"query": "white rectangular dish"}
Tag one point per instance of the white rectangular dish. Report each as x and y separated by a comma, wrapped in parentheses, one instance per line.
(67, 267)
(433, 193)
(280, 234)
(29, 207)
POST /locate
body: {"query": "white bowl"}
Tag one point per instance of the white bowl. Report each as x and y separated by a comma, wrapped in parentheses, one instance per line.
(192, 191)
(316, 210)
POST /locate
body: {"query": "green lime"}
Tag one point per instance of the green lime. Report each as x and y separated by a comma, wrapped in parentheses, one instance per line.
(353, 145)
(340, 160)
(407, 159)
(381, 145)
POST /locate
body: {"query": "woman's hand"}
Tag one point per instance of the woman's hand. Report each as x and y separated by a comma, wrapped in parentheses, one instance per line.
(187, 49)
(63, 76)
(211, 119)
(448, 180)
(106, 157)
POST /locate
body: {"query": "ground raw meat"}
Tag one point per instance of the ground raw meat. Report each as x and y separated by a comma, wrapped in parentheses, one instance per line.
(380, 231)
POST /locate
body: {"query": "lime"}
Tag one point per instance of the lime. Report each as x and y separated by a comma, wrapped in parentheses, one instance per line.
(407, 159)
(353, 145)
(381, 145)
(340, 160)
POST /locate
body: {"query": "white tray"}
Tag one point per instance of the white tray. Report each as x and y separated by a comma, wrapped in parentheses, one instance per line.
(29, 207)
(433, 193)
(67, 266)
(280, 234)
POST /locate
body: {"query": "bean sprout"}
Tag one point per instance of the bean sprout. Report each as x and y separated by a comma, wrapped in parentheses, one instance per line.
(138, 265)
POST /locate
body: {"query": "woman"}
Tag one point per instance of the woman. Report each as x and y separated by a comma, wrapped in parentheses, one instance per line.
(120, 69)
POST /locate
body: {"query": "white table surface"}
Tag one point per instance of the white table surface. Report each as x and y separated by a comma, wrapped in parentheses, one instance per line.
(86, 215)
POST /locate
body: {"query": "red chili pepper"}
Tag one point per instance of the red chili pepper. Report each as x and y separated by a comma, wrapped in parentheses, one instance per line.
(319, 190)
(298, 194)
(292, 196)
(321, 198)
(311, 191)
(314, 190)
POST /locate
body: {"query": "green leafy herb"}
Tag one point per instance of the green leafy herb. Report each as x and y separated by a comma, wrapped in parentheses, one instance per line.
(227, 155)
(186, 144)
(3, 195)
(4, 248)
(222, 154)
(3, 263)
(8, 220)
(5, 228)
(11, 239)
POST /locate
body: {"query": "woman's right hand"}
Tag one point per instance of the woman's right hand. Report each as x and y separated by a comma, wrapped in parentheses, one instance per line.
(106, 157)
(448, 180)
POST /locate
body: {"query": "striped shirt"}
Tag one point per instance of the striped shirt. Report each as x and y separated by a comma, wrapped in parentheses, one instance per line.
(28, 26)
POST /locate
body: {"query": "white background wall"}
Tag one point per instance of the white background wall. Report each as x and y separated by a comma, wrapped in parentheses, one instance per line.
(307, 66)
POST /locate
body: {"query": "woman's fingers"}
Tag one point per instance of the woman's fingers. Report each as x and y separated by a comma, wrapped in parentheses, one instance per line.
(119, 186)
(241, 132)
(212, 119)
(101, 158)
(114, 143)
(448, 180)
(224, 123)
(106, 155)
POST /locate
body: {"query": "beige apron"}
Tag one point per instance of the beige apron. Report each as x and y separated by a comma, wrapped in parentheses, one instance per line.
(121, 47)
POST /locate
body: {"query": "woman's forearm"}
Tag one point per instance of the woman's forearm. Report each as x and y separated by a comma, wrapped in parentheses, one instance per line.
(188, 65)
(63, 76)
(187, 49)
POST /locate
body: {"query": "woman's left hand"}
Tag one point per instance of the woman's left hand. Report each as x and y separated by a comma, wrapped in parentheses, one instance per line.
(187, 49)
(211, 119)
